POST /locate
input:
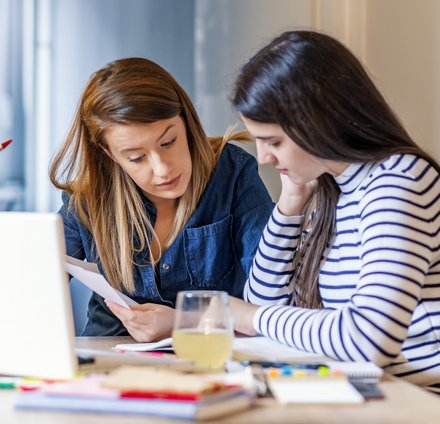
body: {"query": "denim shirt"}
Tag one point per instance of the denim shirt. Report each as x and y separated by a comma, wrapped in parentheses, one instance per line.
(214, 250)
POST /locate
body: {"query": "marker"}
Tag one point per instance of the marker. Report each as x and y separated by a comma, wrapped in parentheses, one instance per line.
(9, 383)
(5, 144)
(273, 372)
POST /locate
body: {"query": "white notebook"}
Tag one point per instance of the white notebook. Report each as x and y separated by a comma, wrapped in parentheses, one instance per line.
(365, 371)
(310, 390)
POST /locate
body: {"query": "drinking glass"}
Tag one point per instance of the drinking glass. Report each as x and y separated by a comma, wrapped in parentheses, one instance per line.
(203, 329)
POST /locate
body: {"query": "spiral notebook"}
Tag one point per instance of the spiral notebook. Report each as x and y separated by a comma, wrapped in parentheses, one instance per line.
(367, 372)
(263, 349)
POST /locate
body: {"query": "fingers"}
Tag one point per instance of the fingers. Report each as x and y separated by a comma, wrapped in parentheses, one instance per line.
(128, 317)
(144, 307)
(145, 323)
(121, 312)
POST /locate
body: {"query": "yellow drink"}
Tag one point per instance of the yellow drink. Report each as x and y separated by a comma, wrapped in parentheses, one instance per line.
(208, 349)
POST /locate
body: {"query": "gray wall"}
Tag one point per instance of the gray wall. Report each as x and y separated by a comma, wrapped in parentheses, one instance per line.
(12, 174)
(227, 33)
(87, 34)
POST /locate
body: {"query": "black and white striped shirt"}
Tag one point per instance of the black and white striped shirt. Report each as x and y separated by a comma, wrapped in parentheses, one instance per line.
(379, 281)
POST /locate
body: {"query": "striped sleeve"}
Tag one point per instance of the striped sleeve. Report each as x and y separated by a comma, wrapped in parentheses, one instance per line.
(398, 231)
(271, 270)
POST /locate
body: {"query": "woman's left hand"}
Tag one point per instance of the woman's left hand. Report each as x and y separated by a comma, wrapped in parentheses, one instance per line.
(294, 196)
(145, 323)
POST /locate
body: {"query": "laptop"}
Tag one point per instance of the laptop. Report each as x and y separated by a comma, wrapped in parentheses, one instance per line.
(36, 318)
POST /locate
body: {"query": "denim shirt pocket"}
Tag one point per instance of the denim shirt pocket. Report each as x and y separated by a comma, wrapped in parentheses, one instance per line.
(209, 253)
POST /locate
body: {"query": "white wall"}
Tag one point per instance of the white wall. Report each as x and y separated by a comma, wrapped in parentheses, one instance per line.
(403, 54)
(397, 40)
(399, 43)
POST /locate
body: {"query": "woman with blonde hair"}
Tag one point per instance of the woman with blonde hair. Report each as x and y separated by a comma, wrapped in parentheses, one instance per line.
(158, 205)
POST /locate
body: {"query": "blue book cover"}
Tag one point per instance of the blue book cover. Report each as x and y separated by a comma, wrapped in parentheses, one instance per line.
(193, 410)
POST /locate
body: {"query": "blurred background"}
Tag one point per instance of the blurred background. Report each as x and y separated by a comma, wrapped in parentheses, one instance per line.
(49, 49)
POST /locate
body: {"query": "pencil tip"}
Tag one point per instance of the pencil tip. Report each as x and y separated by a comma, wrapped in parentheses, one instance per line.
(6, 143)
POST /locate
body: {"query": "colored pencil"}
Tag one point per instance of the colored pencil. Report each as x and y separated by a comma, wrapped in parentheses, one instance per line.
(5, 144)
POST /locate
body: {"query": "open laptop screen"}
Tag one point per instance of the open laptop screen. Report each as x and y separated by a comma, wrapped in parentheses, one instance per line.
(36, 321)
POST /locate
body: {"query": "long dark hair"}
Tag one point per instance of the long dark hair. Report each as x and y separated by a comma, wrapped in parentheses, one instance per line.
(324, 100)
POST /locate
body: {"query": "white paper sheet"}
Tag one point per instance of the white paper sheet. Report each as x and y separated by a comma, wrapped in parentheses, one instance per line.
(145, 347)
(258, 348)
(262, 348)
(88, 274)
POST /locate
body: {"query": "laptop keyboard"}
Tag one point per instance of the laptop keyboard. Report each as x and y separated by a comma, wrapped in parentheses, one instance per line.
(85, 360)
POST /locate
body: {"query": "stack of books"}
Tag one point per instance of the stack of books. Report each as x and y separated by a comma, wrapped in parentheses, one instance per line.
(140, 390)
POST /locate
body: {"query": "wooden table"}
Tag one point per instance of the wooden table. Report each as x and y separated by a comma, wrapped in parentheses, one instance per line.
(403, 403)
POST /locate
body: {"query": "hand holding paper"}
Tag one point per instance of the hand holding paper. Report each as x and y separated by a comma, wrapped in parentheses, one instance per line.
(88, 274)
(146, 322)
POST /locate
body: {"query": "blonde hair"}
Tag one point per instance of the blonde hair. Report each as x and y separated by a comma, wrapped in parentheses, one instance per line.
(106, 200)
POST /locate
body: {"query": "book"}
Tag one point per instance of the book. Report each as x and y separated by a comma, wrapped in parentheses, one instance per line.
(191, 410)
(314, 390)
(166, 393)
(148, 379)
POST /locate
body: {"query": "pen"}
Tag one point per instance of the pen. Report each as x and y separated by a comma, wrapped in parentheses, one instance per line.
(274, 364)
(5, 144)
(260, 381)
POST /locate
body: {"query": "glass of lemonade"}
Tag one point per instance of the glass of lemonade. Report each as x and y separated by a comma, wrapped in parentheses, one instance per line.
(203, 330)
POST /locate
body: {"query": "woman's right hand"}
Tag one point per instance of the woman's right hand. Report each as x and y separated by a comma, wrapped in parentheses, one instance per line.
(294, 196)
(145, 323)
(243, 316)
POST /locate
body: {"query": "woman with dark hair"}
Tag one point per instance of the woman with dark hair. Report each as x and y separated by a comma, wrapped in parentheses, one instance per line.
(158, 205)
(349, 263)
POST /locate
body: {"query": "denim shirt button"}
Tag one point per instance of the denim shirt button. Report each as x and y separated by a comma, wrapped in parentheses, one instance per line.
(165, 266)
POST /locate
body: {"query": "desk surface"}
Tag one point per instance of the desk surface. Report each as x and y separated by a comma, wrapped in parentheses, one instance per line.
(404, 403)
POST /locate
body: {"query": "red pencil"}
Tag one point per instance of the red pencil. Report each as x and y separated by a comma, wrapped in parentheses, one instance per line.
(5, 144)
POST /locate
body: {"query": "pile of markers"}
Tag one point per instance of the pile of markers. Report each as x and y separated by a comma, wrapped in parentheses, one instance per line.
(292, 370)
(284, 369)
